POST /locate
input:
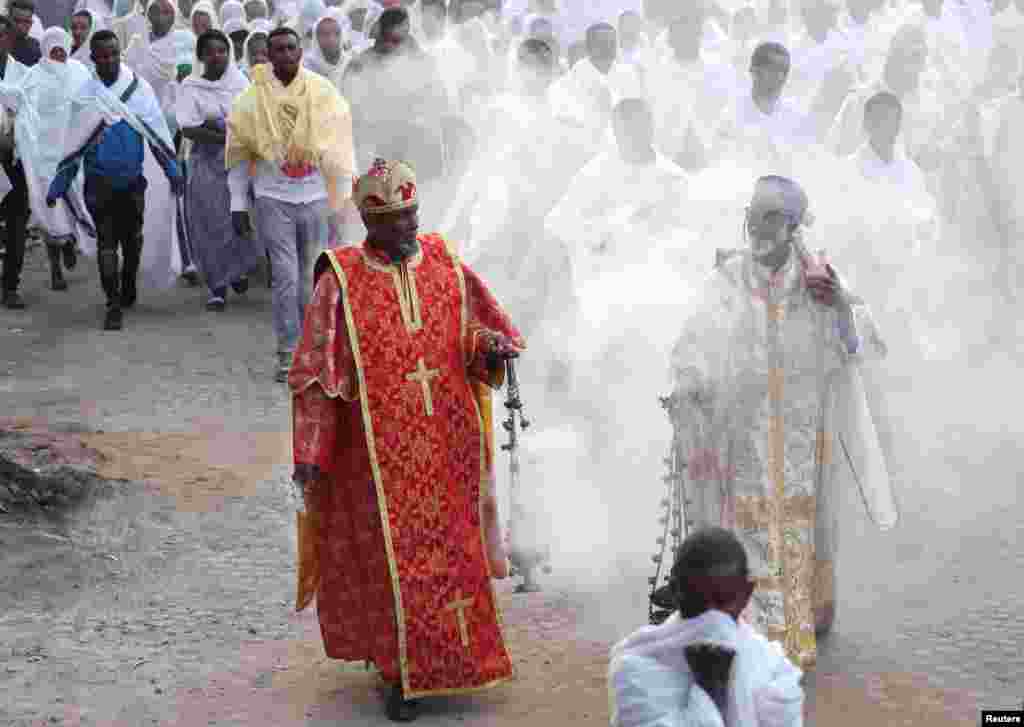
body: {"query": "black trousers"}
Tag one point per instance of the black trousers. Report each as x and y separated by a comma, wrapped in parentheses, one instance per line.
(15, 213)
(118, 215)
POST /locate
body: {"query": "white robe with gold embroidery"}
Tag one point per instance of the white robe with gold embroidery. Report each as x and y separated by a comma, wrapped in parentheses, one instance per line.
(772, 414)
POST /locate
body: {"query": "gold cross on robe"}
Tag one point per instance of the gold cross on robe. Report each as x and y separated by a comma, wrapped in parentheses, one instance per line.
(459, 606)
(422, 375)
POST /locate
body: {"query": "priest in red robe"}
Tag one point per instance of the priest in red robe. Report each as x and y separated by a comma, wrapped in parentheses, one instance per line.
(399, 535)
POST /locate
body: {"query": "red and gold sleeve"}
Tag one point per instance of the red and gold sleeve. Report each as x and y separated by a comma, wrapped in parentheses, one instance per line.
(323, 371)
(486, 319)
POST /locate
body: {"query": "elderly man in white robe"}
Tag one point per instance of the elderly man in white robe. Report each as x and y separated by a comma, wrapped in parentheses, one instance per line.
(50, 87)
(770, 408)
(704, 666)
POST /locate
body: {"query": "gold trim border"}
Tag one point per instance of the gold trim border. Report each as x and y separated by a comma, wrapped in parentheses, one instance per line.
(484, 484)
(382, 503)
(382, 500)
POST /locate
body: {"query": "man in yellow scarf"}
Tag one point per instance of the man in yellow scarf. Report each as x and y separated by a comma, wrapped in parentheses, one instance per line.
(290, 135)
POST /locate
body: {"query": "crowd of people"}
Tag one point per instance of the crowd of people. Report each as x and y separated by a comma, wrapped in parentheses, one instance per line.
(588, 165)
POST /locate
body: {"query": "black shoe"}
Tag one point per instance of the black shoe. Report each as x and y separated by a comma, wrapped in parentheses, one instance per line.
(13, 301)
(70, 251)
(399, 709)
(191, 276)
(216, 303)
(57, 281)
(114, 319)
(241, 286)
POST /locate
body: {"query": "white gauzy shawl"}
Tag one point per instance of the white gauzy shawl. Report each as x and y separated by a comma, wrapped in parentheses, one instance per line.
(650, 684)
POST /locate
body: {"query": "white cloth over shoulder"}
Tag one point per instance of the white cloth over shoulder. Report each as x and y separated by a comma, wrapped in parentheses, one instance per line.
(40, 129)
(96, 104)
(650, 684)
(157, 59)
(316, 60)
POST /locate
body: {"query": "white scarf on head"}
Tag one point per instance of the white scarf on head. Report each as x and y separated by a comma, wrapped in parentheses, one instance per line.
(317, 62)
(204, 6)
(49, 86)
(266, 10)
(200, 97)
(40, 128)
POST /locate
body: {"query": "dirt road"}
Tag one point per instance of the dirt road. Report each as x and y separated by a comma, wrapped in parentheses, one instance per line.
(168, 601)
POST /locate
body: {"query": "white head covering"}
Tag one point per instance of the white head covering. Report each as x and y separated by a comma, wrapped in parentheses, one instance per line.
(231, 9)
(172, 3)
(256, 30)
(316, 61)
(233, 81)
(51, 85)
(204, 6)
(54, 37)
(159, 58)
(266, 9)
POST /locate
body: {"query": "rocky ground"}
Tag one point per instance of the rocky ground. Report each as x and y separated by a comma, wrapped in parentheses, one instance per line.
(147, 566)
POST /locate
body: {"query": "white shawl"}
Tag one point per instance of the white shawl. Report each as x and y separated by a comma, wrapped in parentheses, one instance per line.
(95, 104)
(157, 59)
(204, 6)
(317, 62)
(650, 684)
(200, 100)
(40, 128)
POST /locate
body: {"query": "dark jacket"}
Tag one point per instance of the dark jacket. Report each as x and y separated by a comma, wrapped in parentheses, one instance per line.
(26, 51)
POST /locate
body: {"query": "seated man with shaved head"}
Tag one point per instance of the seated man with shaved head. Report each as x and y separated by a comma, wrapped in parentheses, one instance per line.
(704, 667)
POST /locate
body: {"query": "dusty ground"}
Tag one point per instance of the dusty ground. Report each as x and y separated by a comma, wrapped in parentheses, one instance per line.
(167, 601)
